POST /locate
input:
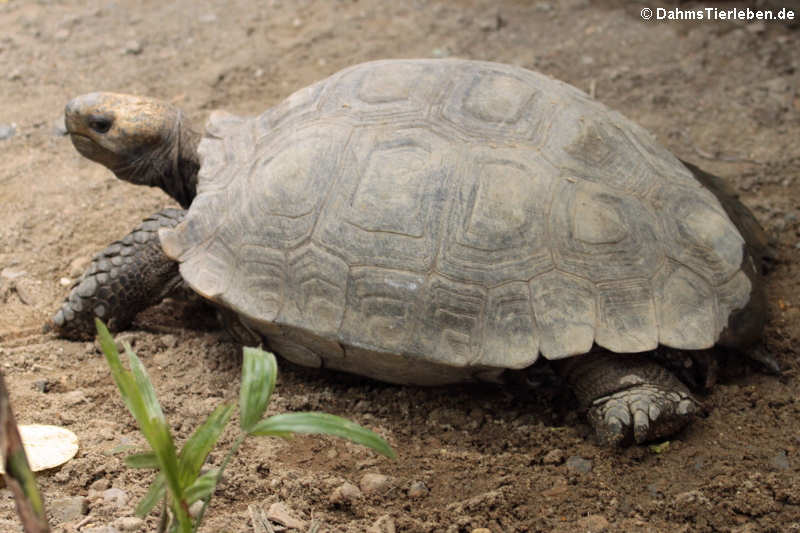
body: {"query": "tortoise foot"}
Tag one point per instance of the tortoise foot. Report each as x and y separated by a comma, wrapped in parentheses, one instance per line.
(641, 413)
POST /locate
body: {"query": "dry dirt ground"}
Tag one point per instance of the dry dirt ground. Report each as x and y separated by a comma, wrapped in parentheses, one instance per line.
(724, 95)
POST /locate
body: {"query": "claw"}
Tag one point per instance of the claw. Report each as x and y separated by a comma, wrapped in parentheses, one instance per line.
(766, 359)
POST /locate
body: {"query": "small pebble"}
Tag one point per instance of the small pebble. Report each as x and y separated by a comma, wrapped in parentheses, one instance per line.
(61, 35)
(74, 397)
(278, 512)
(374, 483)
(297, 23)
(418, 489)
(384, 524)
(780, 461)
(345, 493)
(579, 464)
(12, 273)
(195, 508)
(7, 131)
(116, 497)
(482, 530)
(65, 282)
(99, 484)
(41, 385)
(100, 529)
(554, 457)
(59, 127)
(67, 509)
(129, 523)
(594, 523)
(133, 48)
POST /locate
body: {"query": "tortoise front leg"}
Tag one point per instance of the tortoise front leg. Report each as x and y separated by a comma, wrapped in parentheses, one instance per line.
(629, 397)
(128, 276)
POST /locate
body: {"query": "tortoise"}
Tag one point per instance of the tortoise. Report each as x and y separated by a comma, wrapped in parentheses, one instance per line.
(437, 221)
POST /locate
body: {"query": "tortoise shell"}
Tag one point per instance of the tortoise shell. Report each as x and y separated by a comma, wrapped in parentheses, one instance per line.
(429, 221)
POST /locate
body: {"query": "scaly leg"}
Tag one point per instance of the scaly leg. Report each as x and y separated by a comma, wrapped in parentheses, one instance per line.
(629, 397)
(128, 276)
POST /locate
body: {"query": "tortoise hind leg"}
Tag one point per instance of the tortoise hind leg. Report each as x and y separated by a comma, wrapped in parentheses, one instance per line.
(128, 276)
(629, 397)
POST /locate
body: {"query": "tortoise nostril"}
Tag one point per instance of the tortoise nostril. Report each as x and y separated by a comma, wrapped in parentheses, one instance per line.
(100, 123)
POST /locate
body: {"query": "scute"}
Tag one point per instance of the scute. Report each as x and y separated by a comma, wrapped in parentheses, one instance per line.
(425, 221)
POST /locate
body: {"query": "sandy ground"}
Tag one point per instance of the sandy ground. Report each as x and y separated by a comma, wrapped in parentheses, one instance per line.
(722, 94)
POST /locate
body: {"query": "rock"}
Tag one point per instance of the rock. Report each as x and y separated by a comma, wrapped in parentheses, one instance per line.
(559, 488)
(384, 524)
(281, 514)
(345, 493)
(67, 509)
(693, 496)
(780, 461)
(25, 292)
(99, 485)
(554, 457)
(11, 273)
(374, 483)
(42, 385)
(116, 497)
(133, 48)
(418, 489)
(594, 523)
(65, 282)
(129, 523)
(7, 131)
(59, 127)
(100, 529)
(579, 464)
(74, 397)
(78, 266)
(194, 509)
(491, 22)
(482, 530)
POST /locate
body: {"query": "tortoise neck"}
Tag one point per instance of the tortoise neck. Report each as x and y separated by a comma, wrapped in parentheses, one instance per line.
(172, 167)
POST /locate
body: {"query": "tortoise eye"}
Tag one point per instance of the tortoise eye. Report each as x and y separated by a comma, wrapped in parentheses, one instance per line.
(100, 124)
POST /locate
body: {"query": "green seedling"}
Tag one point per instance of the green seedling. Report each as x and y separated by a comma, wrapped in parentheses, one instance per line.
(179, 482)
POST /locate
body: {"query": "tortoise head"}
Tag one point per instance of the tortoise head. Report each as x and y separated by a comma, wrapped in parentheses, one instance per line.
(142, 140)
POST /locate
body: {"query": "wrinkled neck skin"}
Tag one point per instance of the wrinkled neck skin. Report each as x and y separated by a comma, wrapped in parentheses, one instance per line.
(172, 166)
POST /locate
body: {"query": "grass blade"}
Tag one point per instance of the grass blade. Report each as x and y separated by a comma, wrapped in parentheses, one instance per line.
(202, 487)
(154, 427)
(322, 423)
(196, 449)
(142, 460)
(259, 371)
(19, 476)
(155, 493)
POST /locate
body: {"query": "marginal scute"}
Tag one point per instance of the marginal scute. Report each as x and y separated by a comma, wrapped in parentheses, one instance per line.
(450, 322)
(626, 321)
(381, 305)
(565, 310)
(686, 309)
(732, 296)
(511, 338)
